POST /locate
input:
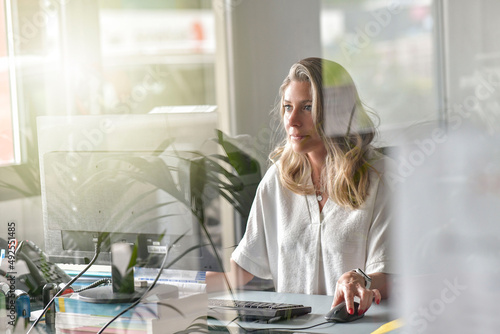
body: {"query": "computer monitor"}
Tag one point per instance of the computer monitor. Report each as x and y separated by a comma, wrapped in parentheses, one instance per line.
(129, 176)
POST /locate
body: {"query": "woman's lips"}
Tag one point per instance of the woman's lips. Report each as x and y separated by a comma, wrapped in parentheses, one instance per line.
(296, 137)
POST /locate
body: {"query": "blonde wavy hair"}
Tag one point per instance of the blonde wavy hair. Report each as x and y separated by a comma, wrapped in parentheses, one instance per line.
(345, 128)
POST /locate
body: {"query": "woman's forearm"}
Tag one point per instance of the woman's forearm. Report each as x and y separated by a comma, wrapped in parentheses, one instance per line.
(237, 277)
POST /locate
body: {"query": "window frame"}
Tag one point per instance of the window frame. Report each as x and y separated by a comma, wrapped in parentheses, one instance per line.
(12, 84)
(20, 178)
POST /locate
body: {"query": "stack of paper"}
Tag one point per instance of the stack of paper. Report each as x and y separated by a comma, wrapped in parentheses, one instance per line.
(151, 316)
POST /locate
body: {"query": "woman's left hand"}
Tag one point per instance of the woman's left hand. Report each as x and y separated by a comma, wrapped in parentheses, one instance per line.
(352, 284)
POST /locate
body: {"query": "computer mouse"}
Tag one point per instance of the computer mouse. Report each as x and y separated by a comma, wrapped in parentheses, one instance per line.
(339, 313)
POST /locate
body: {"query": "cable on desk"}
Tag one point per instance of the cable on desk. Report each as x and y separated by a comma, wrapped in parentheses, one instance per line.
(95, 284)
(197, 328)
(227, 324)
(251, 330)
(96, 255)
(220, 327)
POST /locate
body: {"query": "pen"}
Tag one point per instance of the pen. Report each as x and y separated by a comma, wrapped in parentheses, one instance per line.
(390, 326)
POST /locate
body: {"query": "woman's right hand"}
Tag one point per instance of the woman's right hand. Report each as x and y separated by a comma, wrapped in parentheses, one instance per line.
(352, 284)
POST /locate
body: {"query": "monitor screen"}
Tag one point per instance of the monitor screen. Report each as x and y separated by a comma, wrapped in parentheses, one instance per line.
(130, 177)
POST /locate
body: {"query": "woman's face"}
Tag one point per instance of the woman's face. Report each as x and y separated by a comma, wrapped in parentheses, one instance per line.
(299, 124)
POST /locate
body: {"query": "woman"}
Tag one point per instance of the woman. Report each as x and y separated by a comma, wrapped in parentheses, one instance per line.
(321, 209)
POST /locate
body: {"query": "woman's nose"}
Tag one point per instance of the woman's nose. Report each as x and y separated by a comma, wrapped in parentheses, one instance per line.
(294, 118)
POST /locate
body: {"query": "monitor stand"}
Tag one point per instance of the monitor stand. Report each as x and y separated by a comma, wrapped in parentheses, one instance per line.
(122, 289)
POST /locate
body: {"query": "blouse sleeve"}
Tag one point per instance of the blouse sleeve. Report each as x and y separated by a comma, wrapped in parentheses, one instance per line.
(251, 253)
(378, 243)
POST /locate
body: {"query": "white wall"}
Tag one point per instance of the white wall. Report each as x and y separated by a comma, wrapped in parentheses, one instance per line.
(264, 38)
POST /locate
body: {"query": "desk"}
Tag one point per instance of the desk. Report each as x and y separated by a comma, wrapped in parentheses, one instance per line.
(376, 316)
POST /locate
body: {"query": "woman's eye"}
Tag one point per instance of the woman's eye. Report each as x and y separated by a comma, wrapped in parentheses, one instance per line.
(287, 107)
(308, 107)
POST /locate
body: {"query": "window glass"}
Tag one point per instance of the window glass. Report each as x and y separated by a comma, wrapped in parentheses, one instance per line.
(388, 47)
(158, 53)
(86, 57)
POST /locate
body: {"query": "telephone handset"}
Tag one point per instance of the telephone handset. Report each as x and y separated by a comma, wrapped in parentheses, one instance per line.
(33, 270)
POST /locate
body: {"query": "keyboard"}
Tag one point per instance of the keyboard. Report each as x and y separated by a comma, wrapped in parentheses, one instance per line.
(256, 311)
